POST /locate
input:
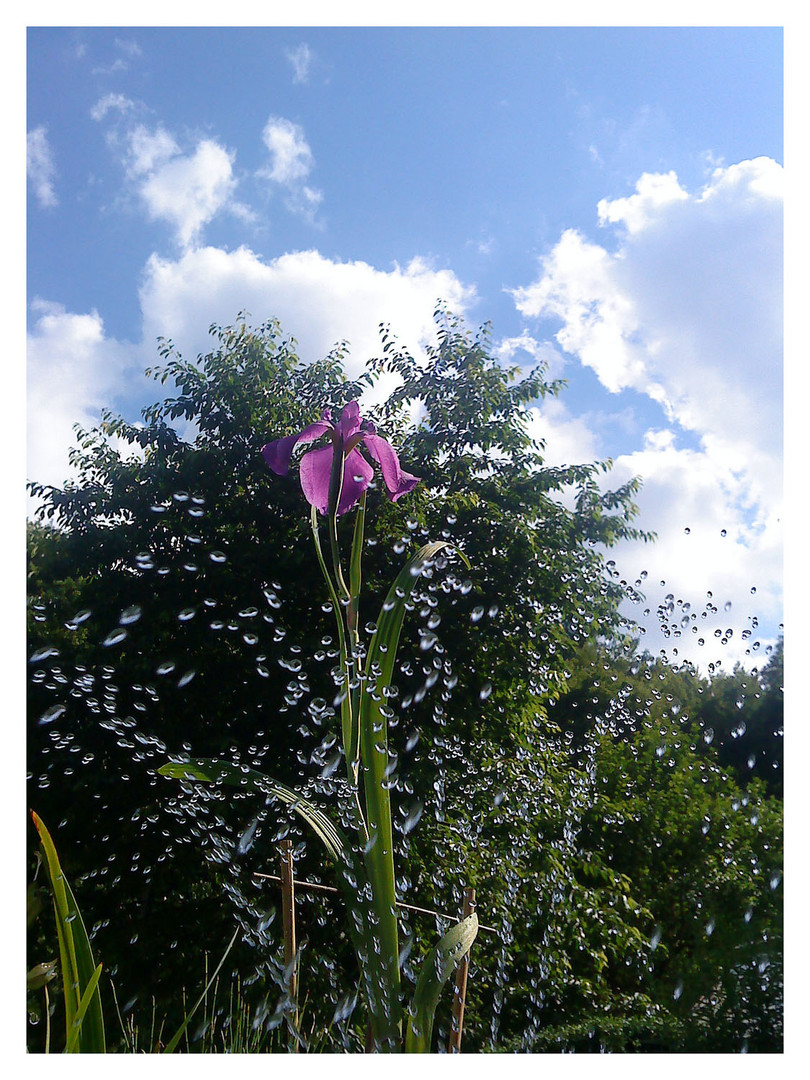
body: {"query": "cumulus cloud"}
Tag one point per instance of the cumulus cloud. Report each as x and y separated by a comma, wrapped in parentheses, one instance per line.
(188, 191)
(148, 150)
(73, 372)
(318, 300)
(717, 557)
(686, 308)
(185, 190)
(40, 166)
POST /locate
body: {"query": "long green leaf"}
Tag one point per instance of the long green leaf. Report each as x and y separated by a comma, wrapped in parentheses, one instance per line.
(374, 755)
(84, 1005)
(437, 968)
(75, 957)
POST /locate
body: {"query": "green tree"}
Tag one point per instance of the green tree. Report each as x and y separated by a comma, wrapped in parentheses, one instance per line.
(175, 608)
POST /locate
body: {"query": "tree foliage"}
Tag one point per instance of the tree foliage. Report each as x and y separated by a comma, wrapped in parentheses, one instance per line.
(174, 607)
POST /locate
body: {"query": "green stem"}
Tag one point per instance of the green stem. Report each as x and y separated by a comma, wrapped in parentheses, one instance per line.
(335, 488)
(353, 621)
(348, 717)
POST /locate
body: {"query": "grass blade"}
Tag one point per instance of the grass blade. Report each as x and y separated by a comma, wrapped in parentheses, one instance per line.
(171, 1046)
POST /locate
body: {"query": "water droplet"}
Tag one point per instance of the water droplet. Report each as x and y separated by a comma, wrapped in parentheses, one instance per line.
(114, 638)
(412, 819)
(248, 836)
(217, 556)
(44, 653)
(130, 615)
(485, 691)
(52, 714)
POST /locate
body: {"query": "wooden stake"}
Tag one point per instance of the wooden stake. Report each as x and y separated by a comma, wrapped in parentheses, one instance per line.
(460, 989)
(288, 924)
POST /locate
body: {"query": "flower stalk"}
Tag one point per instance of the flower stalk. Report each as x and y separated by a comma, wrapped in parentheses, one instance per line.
(334, 479)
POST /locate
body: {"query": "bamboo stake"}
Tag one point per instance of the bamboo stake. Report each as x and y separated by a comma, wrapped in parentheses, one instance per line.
(460, 989)
(288, 924)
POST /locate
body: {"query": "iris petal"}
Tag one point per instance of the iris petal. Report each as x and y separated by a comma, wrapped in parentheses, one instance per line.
(396, 479)
(349, 423)
(277, 454)
(316, 465)
(357, 475)
(315, 471)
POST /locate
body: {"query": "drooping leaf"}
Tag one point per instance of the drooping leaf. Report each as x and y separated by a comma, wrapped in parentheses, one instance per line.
(213, 771)
(41, 975)
(349, 871)
(437, 968)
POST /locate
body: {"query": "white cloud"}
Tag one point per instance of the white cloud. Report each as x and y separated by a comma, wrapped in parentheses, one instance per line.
(290, 156)
(653, 192)
(526, 350)
(719, 546)
(73, 371)
(187, 191)
(291, 161)
(687, 309)
(568, 439)
(301, 59)
(148, 150)
(126, 45)
(319, 301)
(40, 166)
(118, 102)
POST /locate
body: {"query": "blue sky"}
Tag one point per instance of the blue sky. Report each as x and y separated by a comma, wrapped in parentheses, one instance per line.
(610, 198)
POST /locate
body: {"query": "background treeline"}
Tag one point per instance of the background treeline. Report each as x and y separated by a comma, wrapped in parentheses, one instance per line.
(619, 817)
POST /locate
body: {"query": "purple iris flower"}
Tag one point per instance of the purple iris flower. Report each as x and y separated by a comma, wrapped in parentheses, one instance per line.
(316, 465)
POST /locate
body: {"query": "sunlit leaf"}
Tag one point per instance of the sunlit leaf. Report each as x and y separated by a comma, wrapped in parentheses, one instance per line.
(437, 967)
